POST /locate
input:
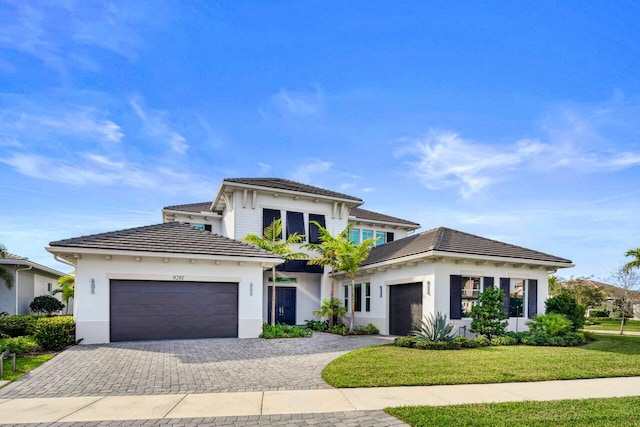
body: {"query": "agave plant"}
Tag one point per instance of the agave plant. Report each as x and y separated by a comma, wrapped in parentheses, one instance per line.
(434, 329)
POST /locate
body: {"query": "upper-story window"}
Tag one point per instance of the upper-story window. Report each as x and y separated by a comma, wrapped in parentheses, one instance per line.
(295, 223)
(268, 216)
(354, 235)
(314, 236)
(201, 226)
(389, 236)
(367, 234)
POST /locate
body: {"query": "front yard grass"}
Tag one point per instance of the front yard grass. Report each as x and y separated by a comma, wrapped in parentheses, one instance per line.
(24, 364)
(590, 412)
(387, 366)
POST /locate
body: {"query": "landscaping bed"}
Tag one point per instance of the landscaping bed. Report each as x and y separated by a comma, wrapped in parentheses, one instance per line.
(589, 412)
(387, 366)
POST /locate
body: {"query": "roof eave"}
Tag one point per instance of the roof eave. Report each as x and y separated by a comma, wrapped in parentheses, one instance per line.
(34, 265)
(413, 226)
(71, 250)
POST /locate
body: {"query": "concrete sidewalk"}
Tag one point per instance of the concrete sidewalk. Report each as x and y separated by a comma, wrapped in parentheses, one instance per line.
(208, 405)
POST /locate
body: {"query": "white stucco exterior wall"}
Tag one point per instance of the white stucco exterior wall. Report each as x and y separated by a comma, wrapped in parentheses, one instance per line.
(92, 310)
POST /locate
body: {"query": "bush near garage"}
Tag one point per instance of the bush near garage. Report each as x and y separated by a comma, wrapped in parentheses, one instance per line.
(18, 326)
(55, 333)
(280, 330)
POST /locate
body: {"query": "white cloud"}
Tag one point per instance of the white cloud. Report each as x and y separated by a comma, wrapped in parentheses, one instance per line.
(264, 168)
(154, 124)
(299, 103)
(304, 171)
(445, 160)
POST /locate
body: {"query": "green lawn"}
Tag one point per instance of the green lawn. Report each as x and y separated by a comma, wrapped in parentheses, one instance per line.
(386, 366)
(23, 365)
(590, 412)
(614, 325)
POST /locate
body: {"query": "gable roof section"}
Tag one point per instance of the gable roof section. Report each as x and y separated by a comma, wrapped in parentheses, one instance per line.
(170, 237)
(17, 260)
(367, 215)
(456, 242)
(190, 207)
(287, 185)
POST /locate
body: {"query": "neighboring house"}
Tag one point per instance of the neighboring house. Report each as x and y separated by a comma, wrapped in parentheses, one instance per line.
(192, 276)
(612, 295)
(31, 280)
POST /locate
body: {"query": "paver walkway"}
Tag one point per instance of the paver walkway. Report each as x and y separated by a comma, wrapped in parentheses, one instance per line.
(187, 366)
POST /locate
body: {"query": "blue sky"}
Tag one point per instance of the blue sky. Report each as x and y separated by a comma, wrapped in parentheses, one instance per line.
(517, 121)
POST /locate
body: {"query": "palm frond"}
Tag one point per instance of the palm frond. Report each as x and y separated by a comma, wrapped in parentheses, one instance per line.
(6, 275)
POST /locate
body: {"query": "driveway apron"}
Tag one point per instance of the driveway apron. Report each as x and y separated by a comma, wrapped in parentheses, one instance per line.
(187, 366)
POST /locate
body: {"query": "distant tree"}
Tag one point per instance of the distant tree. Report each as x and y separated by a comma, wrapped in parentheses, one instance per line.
(628, 280)
(271, 241)
(67, 289)
(5, 274)
(489, 317)
(579, 288)
(567, 305)
(635, 263)
(555, 285)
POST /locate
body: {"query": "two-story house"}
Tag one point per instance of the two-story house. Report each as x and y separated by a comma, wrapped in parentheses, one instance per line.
(193, 277)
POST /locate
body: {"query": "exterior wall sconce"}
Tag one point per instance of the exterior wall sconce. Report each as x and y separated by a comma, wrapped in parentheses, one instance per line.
(250, 289)
(93, 286)
(380, 291)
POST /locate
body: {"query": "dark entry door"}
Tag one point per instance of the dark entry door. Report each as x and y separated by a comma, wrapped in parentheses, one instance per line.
(405, 307)
(285, 305)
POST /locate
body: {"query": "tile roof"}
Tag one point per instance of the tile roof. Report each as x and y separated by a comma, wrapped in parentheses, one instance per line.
(375, 216)
(9, 255)
(170, 237)
(190, 207)
(285, 184)
(447, 240)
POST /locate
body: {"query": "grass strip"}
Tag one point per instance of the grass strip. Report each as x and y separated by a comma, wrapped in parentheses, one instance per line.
(23, 365)
(589, 412)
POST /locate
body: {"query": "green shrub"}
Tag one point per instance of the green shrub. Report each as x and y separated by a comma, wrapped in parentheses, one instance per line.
(18, 345)
(316, 325)
(599, 313)
(552, 324)
(466, 342)
(570, 339)
(434, 329)
(18, 326)
(567, 305)
(370, 329)
(55, 333)
(409, 342)
(482, 341)
(489, 317)
(284, 331)
(504, 340)
(338, 329)
(518, 336)
(46, 304)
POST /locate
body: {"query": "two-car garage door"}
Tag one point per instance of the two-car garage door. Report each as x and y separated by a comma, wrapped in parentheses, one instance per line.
(157, 310)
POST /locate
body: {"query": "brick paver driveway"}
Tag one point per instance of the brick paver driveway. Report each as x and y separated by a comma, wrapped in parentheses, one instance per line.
(187, 366)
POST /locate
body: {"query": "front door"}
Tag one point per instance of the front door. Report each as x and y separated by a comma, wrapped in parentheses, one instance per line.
(285, 305)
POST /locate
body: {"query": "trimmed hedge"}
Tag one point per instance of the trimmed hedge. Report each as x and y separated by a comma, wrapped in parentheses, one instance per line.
(55, 333)
(18, 345)
(280, 330)
(18, 326)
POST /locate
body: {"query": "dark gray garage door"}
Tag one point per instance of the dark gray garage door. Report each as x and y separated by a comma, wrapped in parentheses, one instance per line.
(405, 307)
(154, 310)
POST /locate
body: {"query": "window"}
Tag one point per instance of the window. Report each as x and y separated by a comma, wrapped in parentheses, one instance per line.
(268, 216)
(381, 238)
(197, 226)
(295, 223)
(49, 287)
(367, 297)
(390, 236)
(357, 298)
(470, 293)
(516, 297)
(354, 235)
(346, 297)
(313, 229)
(367, 234)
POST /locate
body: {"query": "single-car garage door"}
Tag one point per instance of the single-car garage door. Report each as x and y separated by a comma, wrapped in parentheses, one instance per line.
(405, 307)
(155, 310)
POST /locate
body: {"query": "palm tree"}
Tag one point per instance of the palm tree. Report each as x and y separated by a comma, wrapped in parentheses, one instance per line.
(5, 274)
(67, 289)
(272, 242)
(634, 263)
(344, 256)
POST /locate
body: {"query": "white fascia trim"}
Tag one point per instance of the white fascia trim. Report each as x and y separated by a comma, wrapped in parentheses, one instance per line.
(234, 185)
(391, 224)
(451, 255)
(34, 265)
(88, 251)
(202, 213)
